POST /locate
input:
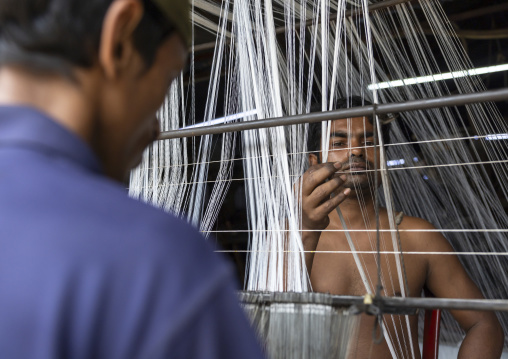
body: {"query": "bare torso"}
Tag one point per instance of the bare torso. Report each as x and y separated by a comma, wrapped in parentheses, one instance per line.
(337, 273)
(343, 182)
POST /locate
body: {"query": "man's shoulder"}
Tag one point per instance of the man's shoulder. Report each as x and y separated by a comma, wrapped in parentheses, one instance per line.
(410, 222)
(143, 225)
(75, 214)
(408, 226)
(422, 235)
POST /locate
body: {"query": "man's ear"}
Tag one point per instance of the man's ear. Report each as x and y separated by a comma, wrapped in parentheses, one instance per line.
(116, 51)
(313, 160)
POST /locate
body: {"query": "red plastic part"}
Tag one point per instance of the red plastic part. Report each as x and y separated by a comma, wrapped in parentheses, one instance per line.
(431, 334)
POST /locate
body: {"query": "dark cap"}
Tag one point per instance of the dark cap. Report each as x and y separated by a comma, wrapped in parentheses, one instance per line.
(178, 12)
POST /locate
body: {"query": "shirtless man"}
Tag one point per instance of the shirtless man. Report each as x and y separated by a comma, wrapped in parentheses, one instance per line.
(323, 190)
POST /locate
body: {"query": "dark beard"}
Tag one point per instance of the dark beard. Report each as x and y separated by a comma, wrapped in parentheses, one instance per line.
(355, 183)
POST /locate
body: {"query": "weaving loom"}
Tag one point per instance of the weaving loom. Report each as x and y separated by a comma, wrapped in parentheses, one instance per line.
(275, 59)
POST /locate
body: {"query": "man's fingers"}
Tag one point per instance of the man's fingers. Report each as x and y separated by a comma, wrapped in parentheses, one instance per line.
(322, 193)
(317, 175)
(328, 206)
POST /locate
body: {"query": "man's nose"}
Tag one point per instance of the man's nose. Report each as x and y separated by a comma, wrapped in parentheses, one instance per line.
(356, 150)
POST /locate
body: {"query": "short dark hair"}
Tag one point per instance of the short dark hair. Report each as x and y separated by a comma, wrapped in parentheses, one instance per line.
(314, 134)
(54, 35)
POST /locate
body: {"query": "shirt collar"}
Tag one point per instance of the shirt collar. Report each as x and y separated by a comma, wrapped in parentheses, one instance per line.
(27, 127)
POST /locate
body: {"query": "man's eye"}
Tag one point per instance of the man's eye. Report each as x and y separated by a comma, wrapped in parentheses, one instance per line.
(369, 143)
(336, 144)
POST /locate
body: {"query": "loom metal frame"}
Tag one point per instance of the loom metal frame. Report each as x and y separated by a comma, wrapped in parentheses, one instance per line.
(279, 30)
(380, 109)
(386, 305)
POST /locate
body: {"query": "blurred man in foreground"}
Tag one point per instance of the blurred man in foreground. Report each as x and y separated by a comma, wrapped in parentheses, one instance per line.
(85, 271)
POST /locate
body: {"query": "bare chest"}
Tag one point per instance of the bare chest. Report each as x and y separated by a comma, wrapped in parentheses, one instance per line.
(338, 271)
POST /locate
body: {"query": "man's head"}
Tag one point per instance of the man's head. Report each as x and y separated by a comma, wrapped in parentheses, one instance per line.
(314, 138)
(53, 35)
(351, 143)
(120, 55)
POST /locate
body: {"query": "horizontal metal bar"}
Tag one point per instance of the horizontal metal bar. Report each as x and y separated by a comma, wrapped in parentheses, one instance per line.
(385, 304)
(250, 297)
(487, 10)
(498, 305)
(423, 104)
(354, 12)
(483, 34)
(378, 6)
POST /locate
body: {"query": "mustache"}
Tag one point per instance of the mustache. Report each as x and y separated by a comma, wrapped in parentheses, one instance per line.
(357, 162)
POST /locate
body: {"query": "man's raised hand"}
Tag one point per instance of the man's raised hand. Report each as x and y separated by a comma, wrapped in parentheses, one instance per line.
(319, 182)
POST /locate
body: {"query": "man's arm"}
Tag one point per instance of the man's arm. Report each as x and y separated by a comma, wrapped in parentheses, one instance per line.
(447, 278)
(317, 204)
